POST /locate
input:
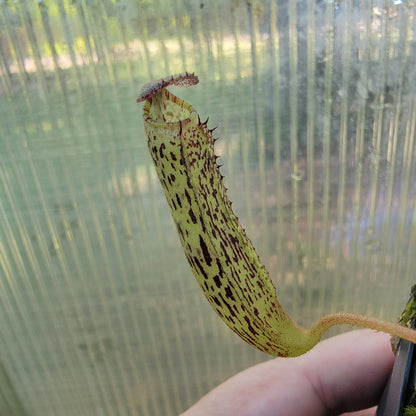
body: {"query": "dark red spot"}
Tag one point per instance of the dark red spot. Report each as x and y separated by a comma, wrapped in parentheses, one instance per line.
(217, 281)
(192, 215)
(180, 231)
(201, 269)
(205, 252)
(227, 305)
(229, 294)
(250, 328)
(215, 299)
(161, 149)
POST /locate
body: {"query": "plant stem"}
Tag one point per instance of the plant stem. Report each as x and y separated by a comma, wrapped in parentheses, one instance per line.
(342, 318)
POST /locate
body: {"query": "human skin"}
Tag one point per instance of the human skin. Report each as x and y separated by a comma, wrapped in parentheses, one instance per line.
(345, 373)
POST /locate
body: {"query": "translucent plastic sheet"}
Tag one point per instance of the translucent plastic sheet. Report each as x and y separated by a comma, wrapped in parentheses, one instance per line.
(316, 109)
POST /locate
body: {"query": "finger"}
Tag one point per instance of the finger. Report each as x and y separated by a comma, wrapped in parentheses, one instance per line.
(367, 412)
(344, 373)
(349, 372)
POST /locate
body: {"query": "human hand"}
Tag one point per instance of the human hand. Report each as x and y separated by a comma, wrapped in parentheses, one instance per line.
(341, 374)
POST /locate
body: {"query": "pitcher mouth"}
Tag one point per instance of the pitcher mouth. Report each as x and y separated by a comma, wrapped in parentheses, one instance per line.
(185, 79)
(165, 108)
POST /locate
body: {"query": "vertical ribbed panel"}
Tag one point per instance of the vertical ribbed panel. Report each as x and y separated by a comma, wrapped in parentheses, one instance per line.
(315, 103)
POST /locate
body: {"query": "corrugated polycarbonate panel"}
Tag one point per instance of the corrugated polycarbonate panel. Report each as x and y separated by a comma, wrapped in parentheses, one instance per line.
(315, 103)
